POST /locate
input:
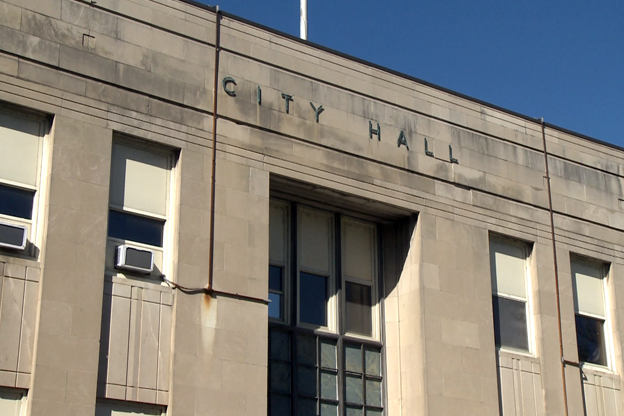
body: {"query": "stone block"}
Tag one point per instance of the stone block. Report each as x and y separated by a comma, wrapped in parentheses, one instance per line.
(16, 271)
(29, 46)
(90, 18)
(83, 62)
(459, 333)
(140, 80)
(8, 65)
(51, 29)
(10, 16)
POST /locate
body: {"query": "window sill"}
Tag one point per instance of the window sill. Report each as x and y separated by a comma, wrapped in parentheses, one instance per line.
(19, 258)
(135, 281)
(596, 369)
(521, 355)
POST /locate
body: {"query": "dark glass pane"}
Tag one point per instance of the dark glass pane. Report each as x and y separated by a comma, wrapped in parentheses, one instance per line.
(16, 202)
(353, 358)
(306, 381)
(359, 311)
(280, 377)
(329, 409)
(328, 354)
(280, 405)
(510, 324)
(275, 307)
(313, 299)
(329, 385)
(306, 349)
(306, 407)
(373, 362)
(354, 389)
(373, 393)
(135, 228)
(12, 234)
(354, 411)
(275, 278)
(280, 345)
(590, 339)
(374, 412)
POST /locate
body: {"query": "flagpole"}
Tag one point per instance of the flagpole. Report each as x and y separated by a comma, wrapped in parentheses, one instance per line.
(304, 20)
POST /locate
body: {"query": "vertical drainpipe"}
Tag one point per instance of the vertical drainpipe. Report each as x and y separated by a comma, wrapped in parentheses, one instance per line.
(554, 246)
(214, 147)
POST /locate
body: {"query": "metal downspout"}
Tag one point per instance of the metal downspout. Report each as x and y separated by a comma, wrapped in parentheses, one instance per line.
(554, 246)
(214, 148)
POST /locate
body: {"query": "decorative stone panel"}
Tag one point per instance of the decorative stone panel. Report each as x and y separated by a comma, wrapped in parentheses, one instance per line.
(19, 291)
(136, 341)
(520, 385)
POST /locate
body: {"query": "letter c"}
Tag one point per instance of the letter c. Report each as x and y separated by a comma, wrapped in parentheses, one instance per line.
(226, 82)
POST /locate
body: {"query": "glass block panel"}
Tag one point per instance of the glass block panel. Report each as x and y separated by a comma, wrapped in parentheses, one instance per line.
(328, 354)
(373, 393)
(374, 412)
(16, 202)
(591, 340)
(135, 228)
(353, 358)
(354, 389)
(329, 385)
(275, 278)
(275, 307)
(306, 407)
(280, 405)
(280, 377)
(354, 411)
(510, 323)
(373, 362)
(329, 409)
(306, 349)
(313, 299)
(306, 381)
(280, 345)
(359, 309)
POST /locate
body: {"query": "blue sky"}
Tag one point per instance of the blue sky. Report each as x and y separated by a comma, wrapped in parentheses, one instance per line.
(563, 61)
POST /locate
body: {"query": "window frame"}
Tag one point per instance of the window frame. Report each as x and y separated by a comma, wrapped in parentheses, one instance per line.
(335, 330)
(527, 248)
(164, 252)
(34, 225)
(607, 325)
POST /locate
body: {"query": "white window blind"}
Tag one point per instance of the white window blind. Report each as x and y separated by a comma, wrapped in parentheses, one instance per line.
(315, 240)
(139, 180)
(358, 249)
(19, 141)
(278, 214)
(508, 266)
(588, 285)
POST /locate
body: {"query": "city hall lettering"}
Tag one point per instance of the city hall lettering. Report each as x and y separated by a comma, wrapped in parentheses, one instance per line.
(373, 129)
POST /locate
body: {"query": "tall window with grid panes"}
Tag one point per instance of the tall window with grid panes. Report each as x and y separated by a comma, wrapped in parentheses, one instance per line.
(325, 350)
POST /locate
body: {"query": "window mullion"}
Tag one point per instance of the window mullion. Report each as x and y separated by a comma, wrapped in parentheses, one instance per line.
(341, 380)
(294, 279)
(339, 304)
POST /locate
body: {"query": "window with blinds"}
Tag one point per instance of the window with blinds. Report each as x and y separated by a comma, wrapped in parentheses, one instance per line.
(510, 293)
(588, 283)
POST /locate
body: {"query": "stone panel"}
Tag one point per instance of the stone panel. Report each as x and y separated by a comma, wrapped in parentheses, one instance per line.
(136, 338)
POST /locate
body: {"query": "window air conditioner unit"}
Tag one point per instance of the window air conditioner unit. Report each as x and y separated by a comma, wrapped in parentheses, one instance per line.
(134, 259)
(12, 236)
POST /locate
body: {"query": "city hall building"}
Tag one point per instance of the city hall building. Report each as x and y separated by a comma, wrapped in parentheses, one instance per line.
(202, 216)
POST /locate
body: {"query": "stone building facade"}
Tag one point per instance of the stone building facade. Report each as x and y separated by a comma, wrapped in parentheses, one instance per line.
(339, 239)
